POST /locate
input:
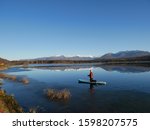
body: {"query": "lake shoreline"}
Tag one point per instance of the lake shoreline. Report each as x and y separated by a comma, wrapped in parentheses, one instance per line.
(3, 68)
(8, 104)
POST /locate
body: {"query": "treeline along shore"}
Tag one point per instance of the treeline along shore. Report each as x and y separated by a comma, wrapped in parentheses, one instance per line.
(134, 60)
(4, 64)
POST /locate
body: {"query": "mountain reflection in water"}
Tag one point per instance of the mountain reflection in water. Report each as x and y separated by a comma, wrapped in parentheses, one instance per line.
(78, 67)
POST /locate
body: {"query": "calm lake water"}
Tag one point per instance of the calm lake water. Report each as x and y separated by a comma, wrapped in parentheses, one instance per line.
(127, 89)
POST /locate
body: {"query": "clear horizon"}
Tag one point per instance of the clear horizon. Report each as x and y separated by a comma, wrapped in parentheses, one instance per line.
(73, 55)
(42, 28)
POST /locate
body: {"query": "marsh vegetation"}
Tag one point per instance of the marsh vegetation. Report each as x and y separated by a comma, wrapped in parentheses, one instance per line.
(58, 95)
(8, 104)
(23, 80)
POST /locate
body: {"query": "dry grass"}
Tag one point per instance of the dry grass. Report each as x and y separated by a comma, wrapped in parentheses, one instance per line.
(3, 67)
(8, 104)
(25, 81)
(58, 95)
(33, 110)
(6, 76)
(14, 78)
(11, 77)
(3, 76)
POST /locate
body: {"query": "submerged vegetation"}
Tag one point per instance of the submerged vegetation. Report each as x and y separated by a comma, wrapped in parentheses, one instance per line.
(33, 110)
(6, 76)
(57, 95)
(8, 104)
(25, 81)
(14, 78)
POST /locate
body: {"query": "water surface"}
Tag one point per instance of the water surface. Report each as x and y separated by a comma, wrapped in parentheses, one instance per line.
(127, 89)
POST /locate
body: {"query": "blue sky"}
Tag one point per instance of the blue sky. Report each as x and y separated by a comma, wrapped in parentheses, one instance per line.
(38, 28)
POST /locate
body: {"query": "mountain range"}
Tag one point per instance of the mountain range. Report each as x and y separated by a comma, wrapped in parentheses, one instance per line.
(118, 55)
(125, 54)
(135, 54)
(62, 57)
(3, 61)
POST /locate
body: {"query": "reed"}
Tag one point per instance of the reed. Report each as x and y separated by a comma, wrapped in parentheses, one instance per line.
(12, 77)
(6, 76)
(33, 110)
(25, 81)
(58, 95)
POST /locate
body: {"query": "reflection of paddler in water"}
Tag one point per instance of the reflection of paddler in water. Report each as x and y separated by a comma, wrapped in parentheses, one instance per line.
(92, 89)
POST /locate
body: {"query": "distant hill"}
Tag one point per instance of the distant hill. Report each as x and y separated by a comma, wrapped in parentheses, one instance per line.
(3, 61)
(108, 56)
(120, 57)
(3, 64)
(141, 58)
(62, 57)
(125, 54)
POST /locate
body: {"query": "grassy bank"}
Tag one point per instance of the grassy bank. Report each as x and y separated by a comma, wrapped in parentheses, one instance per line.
(3, 67)
(8, 104)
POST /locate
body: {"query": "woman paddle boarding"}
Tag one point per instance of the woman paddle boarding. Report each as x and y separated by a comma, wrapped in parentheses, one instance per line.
(91, 76)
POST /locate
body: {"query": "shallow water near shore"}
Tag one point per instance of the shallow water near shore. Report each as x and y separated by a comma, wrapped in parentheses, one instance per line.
(127, 89)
